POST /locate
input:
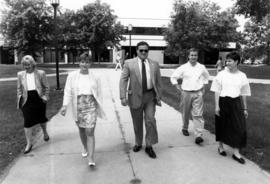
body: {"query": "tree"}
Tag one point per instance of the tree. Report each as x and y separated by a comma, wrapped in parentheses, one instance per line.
(98, 27)
(253, 8)
(257, 38)
(70, 33)
(27, 25)
(199, 25)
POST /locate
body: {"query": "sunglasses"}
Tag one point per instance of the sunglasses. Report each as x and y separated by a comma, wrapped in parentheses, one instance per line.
(146, 51)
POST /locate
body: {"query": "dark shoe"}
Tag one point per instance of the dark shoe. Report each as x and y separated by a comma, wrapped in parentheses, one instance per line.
(240, 160)
(185, 132)
(137, 148)
(198, 140)
(222, 153)
(92, 164)
(28, 150)
(47, 138)
(150, 152)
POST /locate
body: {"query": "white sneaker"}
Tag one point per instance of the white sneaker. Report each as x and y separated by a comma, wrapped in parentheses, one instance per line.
(84, 154)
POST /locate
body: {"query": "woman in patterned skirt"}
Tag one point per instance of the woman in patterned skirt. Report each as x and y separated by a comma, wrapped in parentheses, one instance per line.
(231, 87)
(83, 90)
(32, 96)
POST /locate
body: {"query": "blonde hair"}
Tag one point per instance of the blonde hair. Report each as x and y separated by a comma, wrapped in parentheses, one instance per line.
(30, 59)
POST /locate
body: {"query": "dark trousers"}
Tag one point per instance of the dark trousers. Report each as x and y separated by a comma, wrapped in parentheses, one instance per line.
(146, 112)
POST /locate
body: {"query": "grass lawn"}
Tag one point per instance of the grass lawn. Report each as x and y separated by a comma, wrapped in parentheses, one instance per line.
(76, 65)
(258, 127)
(11, 70)
(256, 72)
(12, 140)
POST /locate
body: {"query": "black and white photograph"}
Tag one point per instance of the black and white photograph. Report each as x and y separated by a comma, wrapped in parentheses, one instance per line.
(134, 91)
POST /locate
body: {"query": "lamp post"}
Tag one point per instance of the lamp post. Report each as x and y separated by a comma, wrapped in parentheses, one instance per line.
(129, 30)
(55, 4)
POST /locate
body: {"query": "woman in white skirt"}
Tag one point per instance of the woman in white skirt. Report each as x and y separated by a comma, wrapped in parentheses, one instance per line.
(231, 87)
(83, 90)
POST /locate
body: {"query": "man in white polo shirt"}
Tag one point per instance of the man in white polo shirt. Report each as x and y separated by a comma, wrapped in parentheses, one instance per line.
(194, 78)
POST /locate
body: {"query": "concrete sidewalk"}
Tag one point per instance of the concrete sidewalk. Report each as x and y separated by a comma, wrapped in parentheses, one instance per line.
(179, 160)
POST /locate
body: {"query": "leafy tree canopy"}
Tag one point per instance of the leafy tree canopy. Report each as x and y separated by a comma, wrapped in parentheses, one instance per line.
(98, 26)
(256, 37)
(201, 25)
(257, 9)
(27, 24)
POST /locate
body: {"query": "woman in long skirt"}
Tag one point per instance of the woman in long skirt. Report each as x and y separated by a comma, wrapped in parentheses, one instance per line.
(231, 87)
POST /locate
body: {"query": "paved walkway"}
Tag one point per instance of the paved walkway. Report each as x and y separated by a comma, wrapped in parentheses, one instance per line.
(179, 160)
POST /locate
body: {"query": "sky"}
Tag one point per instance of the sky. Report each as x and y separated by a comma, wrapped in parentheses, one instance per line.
(139, 8)
(154, 9)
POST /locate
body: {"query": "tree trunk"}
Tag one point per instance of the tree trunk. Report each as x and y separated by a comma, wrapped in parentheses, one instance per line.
(94, 56)
(98, 58)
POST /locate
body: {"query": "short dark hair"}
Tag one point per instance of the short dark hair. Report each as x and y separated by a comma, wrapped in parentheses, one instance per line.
(142, 43)
(85, 57)
(193, 49)
(234, 56)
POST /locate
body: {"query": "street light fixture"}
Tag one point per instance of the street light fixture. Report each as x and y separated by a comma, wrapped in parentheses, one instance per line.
(129, 30)
(55, 4)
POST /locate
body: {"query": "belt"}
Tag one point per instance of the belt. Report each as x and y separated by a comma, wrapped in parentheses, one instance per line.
(193, 90)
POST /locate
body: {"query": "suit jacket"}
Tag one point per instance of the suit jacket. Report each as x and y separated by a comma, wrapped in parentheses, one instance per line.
(131, 73)
(71, 92)
(42, 86)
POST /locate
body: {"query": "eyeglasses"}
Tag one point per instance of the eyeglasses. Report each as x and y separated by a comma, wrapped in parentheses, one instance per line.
(146, 51)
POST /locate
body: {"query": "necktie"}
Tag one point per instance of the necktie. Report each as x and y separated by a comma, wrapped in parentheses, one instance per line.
(144, 82)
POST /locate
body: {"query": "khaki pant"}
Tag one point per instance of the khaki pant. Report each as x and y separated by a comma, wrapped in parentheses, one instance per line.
(192, 105)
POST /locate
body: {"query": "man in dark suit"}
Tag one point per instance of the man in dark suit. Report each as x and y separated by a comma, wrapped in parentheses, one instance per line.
(141, 82)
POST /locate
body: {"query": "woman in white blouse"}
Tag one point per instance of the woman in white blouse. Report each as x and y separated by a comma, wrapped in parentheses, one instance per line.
(32, 96)
(83, 90)
(231, 87)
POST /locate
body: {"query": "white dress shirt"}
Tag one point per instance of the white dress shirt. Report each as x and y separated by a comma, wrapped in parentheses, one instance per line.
(231, 84)
(85, 85)
(194, 77)
(30, 78)
(147, 68)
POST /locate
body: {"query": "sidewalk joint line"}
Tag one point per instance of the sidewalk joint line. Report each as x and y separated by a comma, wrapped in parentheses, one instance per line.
(122, 131)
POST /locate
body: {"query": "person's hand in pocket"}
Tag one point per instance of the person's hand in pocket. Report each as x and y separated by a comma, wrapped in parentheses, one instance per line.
(124, 102)
(44, 99)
